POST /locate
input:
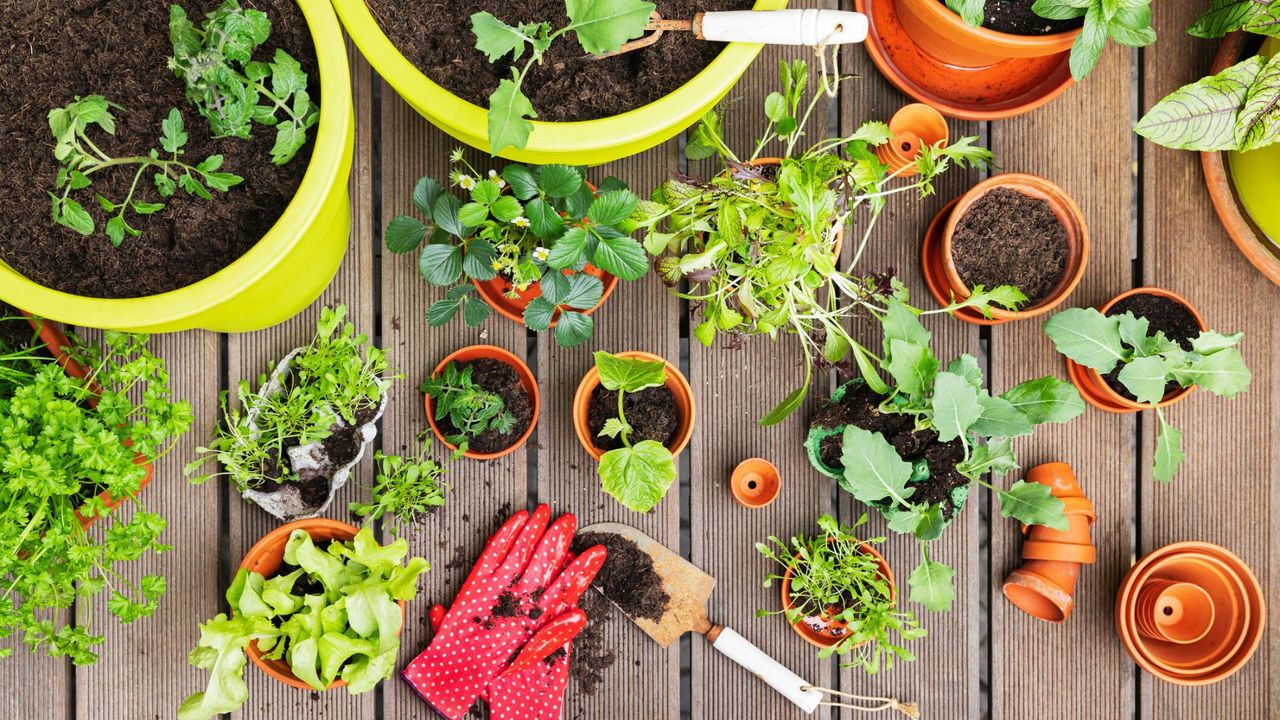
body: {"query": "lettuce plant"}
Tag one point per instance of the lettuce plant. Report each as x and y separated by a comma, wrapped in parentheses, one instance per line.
(638, 474)
(329, 613)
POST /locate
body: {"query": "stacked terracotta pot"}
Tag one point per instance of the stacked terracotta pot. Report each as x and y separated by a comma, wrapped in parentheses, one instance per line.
(1191, 613)
(1044, 587)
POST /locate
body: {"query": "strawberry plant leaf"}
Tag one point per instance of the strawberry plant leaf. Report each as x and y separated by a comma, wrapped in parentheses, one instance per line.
(1032, 504)
(611, 208)
(404, 234)
(583, 291)
(620, 255)
(544, 220)
(573, 328)
(538, 314)
(522, 181)
(440, 264)
(474, 311)
(559, 181)
(425, 193)
(477, 262)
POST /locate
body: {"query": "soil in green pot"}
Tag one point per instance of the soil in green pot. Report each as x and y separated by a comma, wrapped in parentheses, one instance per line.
(1017, 18)
(1009, 238)
(1164, 315)
(651, 413)
(437, 39)
(52, 52)
(500, 379)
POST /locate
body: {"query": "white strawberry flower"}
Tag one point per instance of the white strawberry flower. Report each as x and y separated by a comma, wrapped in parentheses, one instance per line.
(520, 221)
(541, 254)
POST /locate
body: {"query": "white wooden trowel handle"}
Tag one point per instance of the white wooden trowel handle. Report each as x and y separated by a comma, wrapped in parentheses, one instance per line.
(740, 650)
(809, 26)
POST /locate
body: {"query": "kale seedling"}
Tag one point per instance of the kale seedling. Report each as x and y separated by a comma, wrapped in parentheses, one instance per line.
(404, 491)
(231, 89)
(1149, 363)
(637, 475)
(469, 408)
(80, 159)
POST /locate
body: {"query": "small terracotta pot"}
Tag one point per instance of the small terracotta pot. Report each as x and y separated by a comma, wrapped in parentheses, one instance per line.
(527, 381)
(676, 383)
(825, 638)
(495, 292)
(265, 558)
(1044, 586)
(915, 126)
(940, 32)
(1178, 612)
(755, 483)
(1098, 393)
(1064, 208)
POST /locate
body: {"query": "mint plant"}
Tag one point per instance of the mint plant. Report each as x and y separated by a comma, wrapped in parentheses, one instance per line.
(468, 407)
(953, 403)
(405, 490)
(328, 612)
(1149, 363)
(755, 245)
(80, 158)
(638, 474)
(527, 224)
(231, 89)
(835, 580)
(600, 27)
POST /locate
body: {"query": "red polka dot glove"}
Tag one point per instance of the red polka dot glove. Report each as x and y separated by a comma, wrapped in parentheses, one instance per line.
(521, 583)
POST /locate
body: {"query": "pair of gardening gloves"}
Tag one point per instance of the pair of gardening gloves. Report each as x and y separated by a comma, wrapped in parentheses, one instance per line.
(507, 637)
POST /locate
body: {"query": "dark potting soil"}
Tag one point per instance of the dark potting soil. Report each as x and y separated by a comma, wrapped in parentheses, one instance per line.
(652, 414)
(1017, 18)
(1163, 315)
(860, 407)
(591, 653)
(437, 38)
(52, 52)
(500, 379)
(1009, 238)
(627, 578)
(341, 447)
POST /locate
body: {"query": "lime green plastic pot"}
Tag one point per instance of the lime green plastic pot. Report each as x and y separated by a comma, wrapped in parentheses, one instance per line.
(1256, 176)
(589, 142)
(288, 269)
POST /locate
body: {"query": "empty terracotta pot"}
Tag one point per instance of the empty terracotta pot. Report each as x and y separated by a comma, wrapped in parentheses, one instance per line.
(940, 32)
(755, 483)
(1178, 612)
(676, 383)
(527, 381)
(816, 633)
(1097, 392)
(913, 127)
(1044, 586)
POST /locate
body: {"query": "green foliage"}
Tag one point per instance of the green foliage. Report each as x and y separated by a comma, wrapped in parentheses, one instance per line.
(332, 379)
(530, 225)
(405, 489)
(1237, 109)
(80, 158)
(756, 247)
(231, 89)
(66, 442)
(834, 579)
(329, 613)
(637, 475)
(1261, 17)
(469, 408)
(600, 26)
(1149, 362)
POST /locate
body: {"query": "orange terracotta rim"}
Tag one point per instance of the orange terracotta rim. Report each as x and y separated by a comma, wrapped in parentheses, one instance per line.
(265, 558)
(931, 266)
(945, 35)
(1063, 207)
(676, 383)
(527, 381)
(820, 639)
(755, 483)
(495, 293)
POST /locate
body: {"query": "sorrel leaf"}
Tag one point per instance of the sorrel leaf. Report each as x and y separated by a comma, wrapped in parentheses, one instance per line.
(1203, 115)
(1258, 124)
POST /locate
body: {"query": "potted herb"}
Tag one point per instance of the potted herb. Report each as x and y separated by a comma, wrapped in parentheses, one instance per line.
(290, 444)
(540, 244)
(82, 424)
(316, 604)
(634, 412)
(756, 244)
(838, 594)
(199, 133)
(405, 490)
(1146, 349)
(482, 401)
(913, 452)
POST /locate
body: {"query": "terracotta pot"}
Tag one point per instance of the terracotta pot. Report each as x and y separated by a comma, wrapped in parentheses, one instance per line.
(1098, 393)
(527, 381)
(676, 383)
(948, 284)
(944, 35)
(1171, 611)
(497, 294)
(913, 127)
(265, 558)
(755, 483)
(824, 638)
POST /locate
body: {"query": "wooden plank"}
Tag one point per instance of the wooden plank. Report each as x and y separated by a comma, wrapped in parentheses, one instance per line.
(1088, 153)
(252, 353)
(1229, 458)
(640, 315)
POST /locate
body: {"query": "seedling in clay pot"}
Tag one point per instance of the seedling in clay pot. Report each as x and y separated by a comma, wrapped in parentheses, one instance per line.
(1146, 349)
(913, 451)
(757, 244)
(289, 445)
(838, 594)
(405, 490)
(482, 401)
(540, 244)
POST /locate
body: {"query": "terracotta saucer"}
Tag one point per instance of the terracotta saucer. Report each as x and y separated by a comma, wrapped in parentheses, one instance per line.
(935, 276)
(1002, 90)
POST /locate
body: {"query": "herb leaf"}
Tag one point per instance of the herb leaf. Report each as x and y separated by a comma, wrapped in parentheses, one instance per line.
(1087, 337)
(956, 406)
(1168, 451)
(932, 585)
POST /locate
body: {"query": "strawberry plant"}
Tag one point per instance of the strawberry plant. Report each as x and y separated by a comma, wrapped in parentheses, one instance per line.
(637, 474)
(467, 406)
(405, 490)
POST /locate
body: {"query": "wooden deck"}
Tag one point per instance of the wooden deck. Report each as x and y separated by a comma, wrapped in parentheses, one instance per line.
(1151, 223)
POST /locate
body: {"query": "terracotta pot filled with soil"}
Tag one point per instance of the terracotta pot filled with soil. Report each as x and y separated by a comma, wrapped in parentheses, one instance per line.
(934, 475)
(821, 629)
(500, 372)
(1010, 29)
(663, 414)
(1167, 312)
(1012, 229)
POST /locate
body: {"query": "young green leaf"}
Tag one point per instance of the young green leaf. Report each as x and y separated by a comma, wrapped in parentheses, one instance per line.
(638, 476)
(440, 264)
(1145, 377)
(1001, 418)
(873, 471)
(912, 366)
(1032, 504)
(1168, 451)
(602, 26)
(509, 113)
(629, 374)
(956, 406)
(1046, 399)
(620, 255)
(932, 585)
(404, 234)
(1222, 373)
(495, 38)
(1087, 337)
(971, 11)
(573, 328)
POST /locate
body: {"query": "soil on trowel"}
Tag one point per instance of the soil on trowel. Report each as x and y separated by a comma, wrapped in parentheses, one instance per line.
(500, 379)
(651, 413)
(627, 578)
(1010, 238)
(1017, 17)
(1163, 315)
